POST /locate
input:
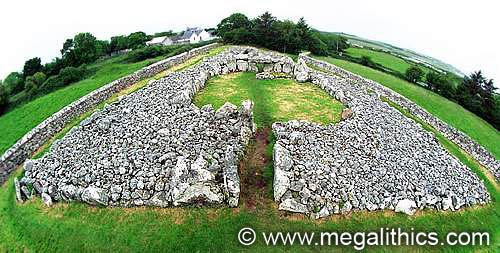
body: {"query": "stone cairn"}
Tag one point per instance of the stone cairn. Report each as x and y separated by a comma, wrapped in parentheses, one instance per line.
(155, 148)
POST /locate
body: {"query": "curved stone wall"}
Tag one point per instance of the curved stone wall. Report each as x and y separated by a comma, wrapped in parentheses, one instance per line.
(478, 152)
(39, 135)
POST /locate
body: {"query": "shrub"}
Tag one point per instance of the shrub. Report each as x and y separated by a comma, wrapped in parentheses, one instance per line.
(367, 61)
(71, 74)
(66, 76)
(145, 53)
(4, 99)
(414, 74)
(33, 83)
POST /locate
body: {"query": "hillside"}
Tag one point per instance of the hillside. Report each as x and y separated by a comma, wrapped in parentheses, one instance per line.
(403, 53)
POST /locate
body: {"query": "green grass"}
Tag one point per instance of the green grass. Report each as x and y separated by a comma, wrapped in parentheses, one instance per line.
(275, 100)
(76, 227)
(446, 110)
(385, 59)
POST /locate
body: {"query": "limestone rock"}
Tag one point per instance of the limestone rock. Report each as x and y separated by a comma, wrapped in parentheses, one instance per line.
(406, 206)
(347, 113)
(292, 206)
(17, 187)
(47, 200)
(199, 194)
(95, 196)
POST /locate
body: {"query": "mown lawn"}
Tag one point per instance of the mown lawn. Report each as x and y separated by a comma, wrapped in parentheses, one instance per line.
(385, 59)
(76, 227)
(446, 110)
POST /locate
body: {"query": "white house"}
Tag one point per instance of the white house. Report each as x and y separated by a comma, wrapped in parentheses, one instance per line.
(157, 41)
(191, 35)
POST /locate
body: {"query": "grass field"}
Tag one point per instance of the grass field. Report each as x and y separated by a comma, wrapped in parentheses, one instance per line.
(76, 227)
(446, 110)
(385, 59)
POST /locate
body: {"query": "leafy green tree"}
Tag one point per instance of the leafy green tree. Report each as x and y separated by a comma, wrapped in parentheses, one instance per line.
(168, 33)
(103, 47)
(85, 46)
(137, 40)
(286, 39)
(265, 30)
(441, 84)
(234, 28)
(67, 47)
(414, 74)
(119, 43)
(336, 44)
(79, 50)
(477, 94)
(4, 98)
(32, 83)
(32, 66)
(52, 68)
(367, 61)
(238, 36)
(14, 83)
(304, 33)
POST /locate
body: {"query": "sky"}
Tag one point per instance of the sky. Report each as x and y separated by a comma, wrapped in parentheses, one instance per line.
(462, 33)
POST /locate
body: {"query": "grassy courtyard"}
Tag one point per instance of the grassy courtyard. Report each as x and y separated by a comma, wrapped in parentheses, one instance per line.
(275, 100)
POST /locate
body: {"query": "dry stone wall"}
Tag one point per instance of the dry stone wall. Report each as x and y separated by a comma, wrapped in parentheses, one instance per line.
(39, 135)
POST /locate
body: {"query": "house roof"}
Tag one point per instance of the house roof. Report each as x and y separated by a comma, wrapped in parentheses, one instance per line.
(157, 40)
(189, 32)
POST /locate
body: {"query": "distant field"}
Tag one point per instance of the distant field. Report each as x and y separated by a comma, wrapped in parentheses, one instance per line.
(387, 60)
(444, 109)
(401, 51)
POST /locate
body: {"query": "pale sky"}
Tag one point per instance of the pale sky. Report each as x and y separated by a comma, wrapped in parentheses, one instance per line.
(462, 33)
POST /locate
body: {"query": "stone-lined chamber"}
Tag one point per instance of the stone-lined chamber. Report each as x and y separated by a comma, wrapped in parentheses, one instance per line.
(154, 147)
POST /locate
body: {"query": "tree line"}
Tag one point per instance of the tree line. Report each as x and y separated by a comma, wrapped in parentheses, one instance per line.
(280, 35)
(38, 79)
(475, 92)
